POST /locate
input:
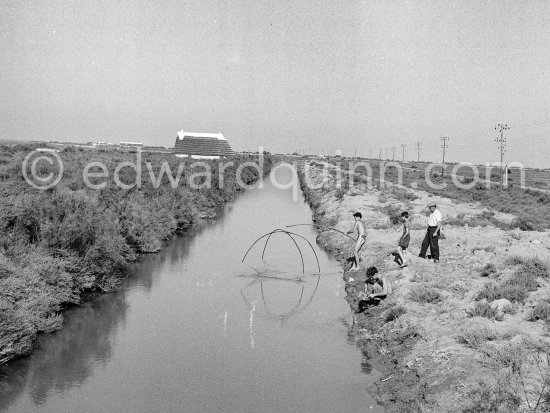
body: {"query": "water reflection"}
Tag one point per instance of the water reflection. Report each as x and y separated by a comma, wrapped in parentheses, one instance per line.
(67, 358)
(84, 341)
(282, 315)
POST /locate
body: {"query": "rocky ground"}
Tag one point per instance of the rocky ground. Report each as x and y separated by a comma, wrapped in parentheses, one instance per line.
(469, 334)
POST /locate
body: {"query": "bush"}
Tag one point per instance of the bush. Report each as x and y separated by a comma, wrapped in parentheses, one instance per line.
(475, 337)
(488, 398)
(541, 312)
(512, 292)
(57, 244)
(394, 213)
(517, 287)
(488, 270)
(482, 309)
(532, 266)
(525, 224)
(423, 294)
(394, 313)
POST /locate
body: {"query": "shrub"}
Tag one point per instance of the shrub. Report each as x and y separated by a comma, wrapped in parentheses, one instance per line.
(541, 312)
(394, 213)
(488, 270)
(525, 224)
(530, 265)
(394, 313)
(490, 398)
(482, 309)
(512, 292)
(510, 309)
(475, 337)
(423, 294)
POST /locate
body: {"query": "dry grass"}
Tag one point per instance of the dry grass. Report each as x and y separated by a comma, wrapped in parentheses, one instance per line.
(488, 270)
(483, 309)
(475, 337)
(541, 312)
(517, 287)
(423, 294)
(394, 313)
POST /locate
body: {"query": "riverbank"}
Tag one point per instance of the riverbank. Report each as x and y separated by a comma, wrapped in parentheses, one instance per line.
(60, 243)
(469, 334)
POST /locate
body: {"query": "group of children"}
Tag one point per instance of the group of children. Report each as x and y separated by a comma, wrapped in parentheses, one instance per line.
(362, 237)
(430, 240)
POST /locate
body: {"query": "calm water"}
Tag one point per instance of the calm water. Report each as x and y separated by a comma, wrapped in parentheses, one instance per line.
(195, 330)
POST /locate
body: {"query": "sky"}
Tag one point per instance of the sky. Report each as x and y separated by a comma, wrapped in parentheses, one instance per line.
(359, 76)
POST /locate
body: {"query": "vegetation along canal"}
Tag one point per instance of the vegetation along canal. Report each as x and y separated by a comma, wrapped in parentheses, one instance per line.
(194, 329)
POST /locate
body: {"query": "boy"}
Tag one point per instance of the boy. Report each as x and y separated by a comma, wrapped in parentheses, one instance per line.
(362, 237)
(405, 239)
(376, 286)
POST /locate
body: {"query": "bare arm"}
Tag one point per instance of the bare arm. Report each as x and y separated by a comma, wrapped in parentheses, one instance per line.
(352, 228)
(436, 232)
(406, 230)
(386, 289)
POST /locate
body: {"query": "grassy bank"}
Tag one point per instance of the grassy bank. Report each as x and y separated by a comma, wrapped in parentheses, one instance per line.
(531, 208)
(470, 334)
(59, 243)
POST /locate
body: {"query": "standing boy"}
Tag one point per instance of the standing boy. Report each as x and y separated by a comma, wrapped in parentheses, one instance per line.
(361, 238)
(432, 234)
(405, 239)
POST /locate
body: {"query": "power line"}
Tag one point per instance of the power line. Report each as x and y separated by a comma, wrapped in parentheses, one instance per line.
(444, 145)
(501, 127)
(418, 146)
(403, 147)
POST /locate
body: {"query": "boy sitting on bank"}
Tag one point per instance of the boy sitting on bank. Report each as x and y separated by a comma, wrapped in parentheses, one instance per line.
(376, 286)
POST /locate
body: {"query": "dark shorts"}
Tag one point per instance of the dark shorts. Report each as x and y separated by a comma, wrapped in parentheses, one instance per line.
(404, 242)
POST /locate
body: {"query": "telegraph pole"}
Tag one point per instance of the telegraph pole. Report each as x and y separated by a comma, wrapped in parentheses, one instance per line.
(444, 145)
(393, 156)
(403, 147)
(418, 146)
(501, 127)
(380, 154)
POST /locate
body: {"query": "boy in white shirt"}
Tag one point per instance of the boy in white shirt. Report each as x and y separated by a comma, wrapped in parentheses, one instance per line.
(432, 234)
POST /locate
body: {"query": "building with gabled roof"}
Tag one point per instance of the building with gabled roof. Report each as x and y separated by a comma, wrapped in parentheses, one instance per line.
(199, 145)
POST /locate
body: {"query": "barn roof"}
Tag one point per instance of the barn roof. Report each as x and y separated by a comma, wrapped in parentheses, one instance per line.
(202, 144)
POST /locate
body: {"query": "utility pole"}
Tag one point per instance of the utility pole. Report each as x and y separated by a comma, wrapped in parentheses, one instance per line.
(380, 154)
(444, 145)
(418, 146)
(501, 127)
(403, 147)
(393, 155)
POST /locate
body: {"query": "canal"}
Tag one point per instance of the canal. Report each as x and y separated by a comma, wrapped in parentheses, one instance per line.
(195, 330)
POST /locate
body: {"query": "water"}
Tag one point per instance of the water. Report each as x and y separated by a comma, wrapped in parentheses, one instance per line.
(195, 330)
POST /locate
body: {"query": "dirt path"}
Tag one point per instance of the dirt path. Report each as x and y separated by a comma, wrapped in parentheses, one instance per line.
(435, 352)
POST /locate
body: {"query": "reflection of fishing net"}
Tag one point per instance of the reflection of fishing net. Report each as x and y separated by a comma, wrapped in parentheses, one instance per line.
(301, 296)
(292, 236)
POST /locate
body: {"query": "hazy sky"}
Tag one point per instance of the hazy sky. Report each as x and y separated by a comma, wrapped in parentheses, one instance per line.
(287, 75)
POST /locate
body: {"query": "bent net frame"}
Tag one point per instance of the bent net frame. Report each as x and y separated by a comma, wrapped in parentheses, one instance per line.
(291, 235)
